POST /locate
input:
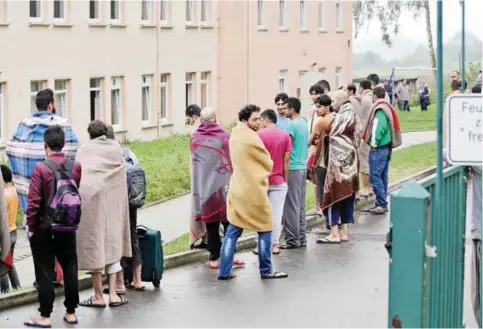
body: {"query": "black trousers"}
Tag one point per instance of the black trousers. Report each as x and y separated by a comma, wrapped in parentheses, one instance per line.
(128, 264)
(46, 246)
(320, 173)
(214, 239)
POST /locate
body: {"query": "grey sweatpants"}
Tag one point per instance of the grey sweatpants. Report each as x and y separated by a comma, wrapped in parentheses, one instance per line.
(294, 221)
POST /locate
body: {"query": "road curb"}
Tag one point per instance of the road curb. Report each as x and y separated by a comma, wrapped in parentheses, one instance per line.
(29, 295)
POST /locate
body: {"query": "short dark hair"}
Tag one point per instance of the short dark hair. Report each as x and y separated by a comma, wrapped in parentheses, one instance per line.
(193, 110)
(366, 84)
(325, 85)
(294, 103)
(316, 89)
(43, 99)
(110, 132)
(270, 115)
(476, 90)
(6, 174)
(379, 92)
(54, 137)
(281, 97)
(323, 100)
(246, 112)
(96, 129)
(374, 78)
(352, 87)
(455, 85)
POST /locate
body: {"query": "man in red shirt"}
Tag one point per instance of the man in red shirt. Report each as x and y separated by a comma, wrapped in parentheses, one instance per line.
(279, 145)
(46, 244)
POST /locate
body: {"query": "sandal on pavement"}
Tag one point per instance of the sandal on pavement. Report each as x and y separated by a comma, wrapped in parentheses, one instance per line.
(211, 265)
(275, 275)
(123, 301)
(327, 240)
(33, 323)
(378, 210)
(275, 250)
(255, 251)
(238, 263)
(118, 292)
(76, 321)
(89, 303)
(288, 246)
(132, 287)
(226, 278)
(344, 240)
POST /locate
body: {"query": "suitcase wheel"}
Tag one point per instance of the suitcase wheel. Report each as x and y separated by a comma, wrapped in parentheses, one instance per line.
(156, 283)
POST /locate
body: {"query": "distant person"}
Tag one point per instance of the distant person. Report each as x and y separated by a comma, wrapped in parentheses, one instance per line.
(479, 81)
(193, 113)
(476, 90)
(455, 76)
(282, 120)
(342, 181)
(455, 87)
(389, 91)
(46, 242)
(355, 98)
(279, 144)
(294, 217)
(248, 205)
(105, 204)
(375, 81)
(424, 96)
(383, 133)
(363, 150)
(11, 200)
(402, 92)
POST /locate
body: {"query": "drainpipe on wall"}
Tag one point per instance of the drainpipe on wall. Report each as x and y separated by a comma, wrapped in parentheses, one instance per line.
(158, 75)
(247, 21)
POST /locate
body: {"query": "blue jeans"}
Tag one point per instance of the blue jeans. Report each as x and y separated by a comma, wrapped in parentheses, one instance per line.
(379, 159)
(228, 251)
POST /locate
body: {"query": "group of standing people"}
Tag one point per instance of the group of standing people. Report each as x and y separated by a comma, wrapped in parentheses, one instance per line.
(255, 177)
(49, 169)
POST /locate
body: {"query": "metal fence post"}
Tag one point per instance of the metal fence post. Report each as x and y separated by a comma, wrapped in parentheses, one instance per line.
(408, 270)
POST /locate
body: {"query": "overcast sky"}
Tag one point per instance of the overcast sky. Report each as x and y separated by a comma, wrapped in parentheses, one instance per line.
(409, 28)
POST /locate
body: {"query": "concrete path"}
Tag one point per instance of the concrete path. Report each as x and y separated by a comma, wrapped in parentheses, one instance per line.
(417, 137)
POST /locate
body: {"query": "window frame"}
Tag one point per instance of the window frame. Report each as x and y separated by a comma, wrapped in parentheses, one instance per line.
(282, 5)
(33, 94)
(191, 11)
(303, 15)
(190, 82)
(205, 7)
(64, 9)
(321, 17)
(4, 11)
(339, 17)
(65, 92)
(119, 101)
(146, 84)
(163, 117)
(205, 80)
(40, 17)
(282, 79)
(260, 14)
(149, 11)
(97, 8)
(163, 4)
(101, 95)
(338, 77)
(119, 9)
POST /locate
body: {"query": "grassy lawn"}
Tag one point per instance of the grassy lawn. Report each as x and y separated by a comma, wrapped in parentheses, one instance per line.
(404, 162)
(416, 120)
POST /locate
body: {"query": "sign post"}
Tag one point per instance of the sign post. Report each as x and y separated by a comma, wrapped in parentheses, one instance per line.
(464, 121)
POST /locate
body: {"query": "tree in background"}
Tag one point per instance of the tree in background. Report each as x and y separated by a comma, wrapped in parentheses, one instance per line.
(388, 13)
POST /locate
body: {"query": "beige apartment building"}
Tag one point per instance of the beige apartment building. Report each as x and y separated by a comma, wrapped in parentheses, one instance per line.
(138, 63)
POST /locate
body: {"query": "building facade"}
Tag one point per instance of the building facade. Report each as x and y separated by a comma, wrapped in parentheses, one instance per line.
(137, 64)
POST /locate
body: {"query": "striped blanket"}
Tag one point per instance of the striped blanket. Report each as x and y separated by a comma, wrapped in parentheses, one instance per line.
(26, 148)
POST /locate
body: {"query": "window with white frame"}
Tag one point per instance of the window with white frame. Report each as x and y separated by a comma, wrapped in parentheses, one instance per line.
(323, 70)
(164, 91)
(338, 77)
(35, 9)
(283, 13)
(146, 10)
(116, 101)
(163, 11)
(205, 89)
(282, 81)
(146, 98)
(3, 10)
(96, 98)
(303, 16)
(61, 97)
(59, 10)
(35, 87)
(115, 10)
(190, 88)
(321, 14)
(2, 109)
(260, 12)
(94, 10)
(205, 11)
(190, 12)
(339, 24)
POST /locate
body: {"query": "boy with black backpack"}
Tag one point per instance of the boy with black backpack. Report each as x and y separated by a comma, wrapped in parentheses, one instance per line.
(53, 216)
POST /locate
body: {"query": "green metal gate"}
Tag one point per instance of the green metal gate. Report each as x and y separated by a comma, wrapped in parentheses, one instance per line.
(426, 273)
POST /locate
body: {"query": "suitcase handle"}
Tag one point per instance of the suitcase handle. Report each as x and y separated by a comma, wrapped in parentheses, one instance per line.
(143, 229)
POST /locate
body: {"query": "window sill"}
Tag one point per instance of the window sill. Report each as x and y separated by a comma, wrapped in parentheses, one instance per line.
(5, 24)
(166, 124)
(191, 26)
(62, 24)
(97, 24)
(148, 125)
(167, 26)
(304, 31)
(262, 28)
(147, 25)
(39, 24)
(207, 26)
(119, 130)
(283, 29)
(118, 25)
(322, 30)
(339, 31)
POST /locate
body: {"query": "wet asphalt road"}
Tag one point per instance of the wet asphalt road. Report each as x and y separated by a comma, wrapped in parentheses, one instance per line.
(328, 286)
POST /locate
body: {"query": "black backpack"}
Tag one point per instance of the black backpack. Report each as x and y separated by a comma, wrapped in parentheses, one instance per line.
(136, 181)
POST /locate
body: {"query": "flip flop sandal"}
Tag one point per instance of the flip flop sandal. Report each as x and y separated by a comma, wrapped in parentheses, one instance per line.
(211, 266)
(131, 287)
(344, 240)
(76, 321)
(255, 251)
(276, 251)
(238, 263)
(288, 246)
(326, 240)
(106, 292)
(123, 301)
(88, 303)
(226, 278)
(34, 324)
(275, 275)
